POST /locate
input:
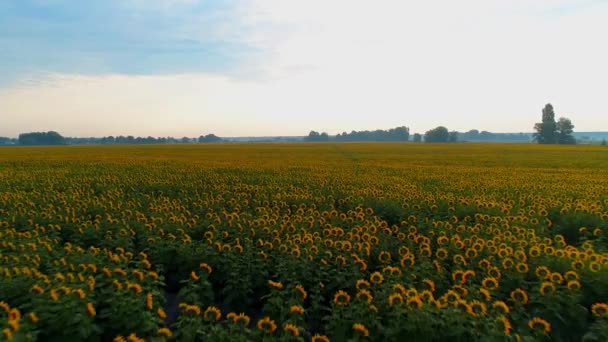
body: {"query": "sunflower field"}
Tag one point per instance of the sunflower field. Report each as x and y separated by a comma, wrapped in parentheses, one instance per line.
(304, 242)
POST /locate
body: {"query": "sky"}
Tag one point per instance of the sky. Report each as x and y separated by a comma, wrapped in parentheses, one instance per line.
(285, 67)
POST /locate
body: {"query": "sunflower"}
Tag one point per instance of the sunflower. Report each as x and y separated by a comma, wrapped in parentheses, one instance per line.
(362, 284)
(456, 275)
(297, 309)
(574, 285)
(54, 295)
(292, 329)
(376, 278)
(477, 309)
(341, 298)
(502, 306)
(7, 334)
(542, 272)
(275, 285)
(395, 299)
(547, 288)
(494, 272)
(539, 322)
(599, 309)
(400, 288)
(485, 293)
(415, 301)
(391, 270)
(595, 267)
(14, 314)
(521, 267)
(556, 277)
(460, 260)
(461, 290)
(267, 325)
(362, 265)
(91, 310)
(365, 295)
(466, 275)
(452, 296)
(300, 290)
(571, 275)
(506, 324)
(212, 313)
(319, 338)
(429, 283)
(490, 283)
(37, 289)
(206, 267)
(411, 292)
(33, 317)
(241, 318)
(462, 304)
(149, 301)
(13, 324)
(384, 257)
(519, 296)
(441, 253)
(361, 329)
(160, 312)
(164, 332)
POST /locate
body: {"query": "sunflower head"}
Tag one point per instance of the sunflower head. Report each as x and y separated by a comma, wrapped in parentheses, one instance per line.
(341, 298)
(267, 325)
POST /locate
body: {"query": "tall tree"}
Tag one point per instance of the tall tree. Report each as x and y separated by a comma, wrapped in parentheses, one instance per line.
(564, 132)
(546, 131)
(417, 137)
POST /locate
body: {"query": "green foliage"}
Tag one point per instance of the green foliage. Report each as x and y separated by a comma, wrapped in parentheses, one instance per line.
(551, 132)
(437, 135)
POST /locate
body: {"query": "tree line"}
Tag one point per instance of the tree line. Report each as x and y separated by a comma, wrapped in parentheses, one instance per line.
(549, 131)
(54, 138)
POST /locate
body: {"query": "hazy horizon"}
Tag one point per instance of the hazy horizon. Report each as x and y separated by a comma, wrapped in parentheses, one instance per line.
(252, 68)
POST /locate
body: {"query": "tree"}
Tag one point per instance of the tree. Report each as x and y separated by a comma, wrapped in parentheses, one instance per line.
(41, 138)
(438, 134)
(546, 131)
(209, 138)
(417, 137)
(453, 137)
(603, 142)
(316, 136)
(564, 132)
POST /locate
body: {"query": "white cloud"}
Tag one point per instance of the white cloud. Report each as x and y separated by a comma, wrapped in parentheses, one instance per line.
(341, 65)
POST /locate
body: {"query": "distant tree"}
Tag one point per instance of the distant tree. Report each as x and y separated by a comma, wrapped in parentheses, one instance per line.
(438, 134)
(546, 131)
(209, 138)
(401, 133)
(6, 141)
(565, 128)
(603, 142)
(185, 140)
(314, 136)
(41, 138)
(453, 137)
(417, 137)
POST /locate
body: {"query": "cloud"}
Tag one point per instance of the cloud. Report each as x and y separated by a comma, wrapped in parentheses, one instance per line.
(111, 36)
(283, 67)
